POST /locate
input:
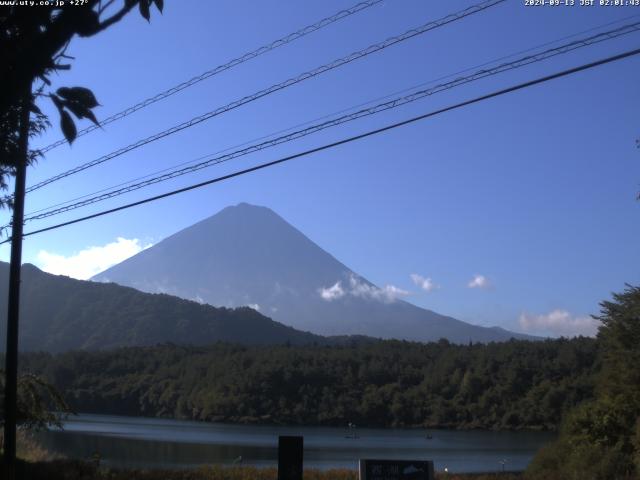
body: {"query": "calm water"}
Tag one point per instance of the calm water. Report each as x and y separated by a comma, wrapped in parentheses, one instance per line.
(147, 442)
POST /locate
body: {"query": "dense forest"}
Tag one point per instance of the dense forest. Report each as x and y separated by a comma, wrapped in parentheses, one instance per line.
(511, 385)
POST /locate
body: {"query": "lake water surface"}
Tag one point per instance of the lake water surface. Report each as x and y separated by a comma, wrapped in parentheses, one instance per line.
(150, 442)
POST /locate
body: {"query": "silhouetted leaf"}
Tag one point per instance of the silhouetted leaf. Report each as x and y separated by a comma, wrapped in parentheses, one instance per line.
(159, 4)
(144, 9)
(78, 110)
(89, 22)
(68, 127)
(81, 95)
(57, 102)
(91, 116)
(35, 109)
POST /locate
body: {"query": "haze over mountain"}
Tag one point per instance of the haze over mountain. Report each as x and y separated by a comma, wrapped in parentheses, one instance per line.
(58, 313)
(249, 255)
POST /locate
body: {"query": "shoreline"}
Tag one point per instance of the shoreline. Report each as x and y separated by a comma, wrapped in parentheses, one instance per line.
(258, 422)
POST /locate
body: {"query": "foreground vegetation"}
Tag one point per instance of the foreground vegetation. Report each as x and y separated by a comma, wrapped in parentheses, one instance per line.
(75, 470)
(37, 463)
(600, 439)
(512, 385)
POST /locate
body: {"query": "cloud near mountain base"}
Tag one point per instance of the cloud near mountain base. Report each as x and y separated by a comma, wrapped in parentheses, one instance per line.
(90, 261)
(559, 322)
(333, 292)
(357, 288)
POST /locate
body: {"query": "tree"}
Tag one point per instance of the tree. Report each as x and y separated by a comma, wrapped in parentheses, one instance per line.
(600, 439)
(33, 45)
(619, 337)
(40, 404)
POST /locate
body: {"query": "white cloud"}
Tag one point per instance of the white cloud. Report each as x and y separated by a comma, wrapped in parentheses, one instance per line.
(255, 306)
(426, 284)
(90, 261)
(387, 294)
(358, 288)
(332, 293)
(479, 281)
(559, 322)
(390, 293)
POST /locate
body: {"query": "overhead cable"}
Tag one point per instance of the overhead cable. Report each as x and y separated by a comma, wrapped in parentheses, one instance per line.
(221, 68)
(354, 138)
(381, 107)
(276, 87)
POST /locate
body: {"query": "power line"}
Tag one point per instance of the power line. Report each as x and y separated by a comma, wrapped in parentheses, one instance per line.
(276, 87)
(323, 117)
(403, 100)
(354, 138)
(221, 68)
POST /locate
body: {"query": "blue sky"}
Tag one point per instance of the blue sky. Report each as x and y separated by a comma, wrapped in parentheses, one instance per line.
(534, 191)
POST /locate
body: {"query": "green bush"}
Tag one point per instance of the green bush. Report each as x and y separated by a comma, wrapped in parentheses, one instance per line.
(600, 439)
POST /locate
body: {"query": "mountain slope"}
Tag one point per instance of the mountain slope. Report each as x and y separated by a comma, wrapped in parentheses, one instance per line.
(248, 255)
(59, 313)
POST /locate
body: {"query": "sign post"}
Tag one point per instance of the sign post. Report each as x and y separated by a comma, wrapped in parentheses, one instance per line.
(396, 470)
(290, 452)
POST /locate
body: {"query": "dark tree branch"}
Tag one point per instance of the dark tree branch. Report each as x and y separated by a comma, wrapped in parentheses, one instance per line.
(116, 17)
(33, 43)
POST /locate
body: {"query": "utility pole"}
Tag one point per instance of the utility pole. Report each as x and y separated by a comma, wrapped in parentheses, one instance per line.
(13, 313)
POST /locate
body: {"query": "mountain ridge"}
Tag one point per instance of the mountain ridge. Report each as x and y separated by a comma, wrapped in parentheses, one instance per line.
(59, 313)
(250, 255)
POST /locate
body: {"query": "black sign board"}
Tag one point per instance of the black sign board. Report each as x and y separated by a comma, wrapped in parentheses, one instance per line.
(290, 458)
(396, 470)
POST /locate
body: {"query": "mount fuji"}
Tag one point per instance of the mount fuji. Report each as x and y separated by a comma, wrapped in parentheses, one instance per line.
(249, 255)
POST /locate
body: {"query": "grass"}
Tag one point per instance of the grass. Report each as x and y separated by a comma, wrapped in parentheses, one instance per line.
(36, 463)
(27, 448)
(61, 469)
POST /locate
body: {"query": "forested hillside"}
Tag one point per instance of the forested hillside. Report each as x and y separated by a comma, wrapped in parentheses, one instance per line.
(60, 313)
(512, 385)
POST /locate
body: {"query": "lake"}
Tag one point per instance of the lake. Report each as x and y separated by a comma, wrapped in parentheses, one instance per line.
(151, 442)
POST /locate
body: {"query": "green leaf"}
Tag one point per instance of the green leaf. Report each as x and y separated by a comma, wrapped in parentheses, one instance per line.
(144, 9)
(81, 95)
(68, 127)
